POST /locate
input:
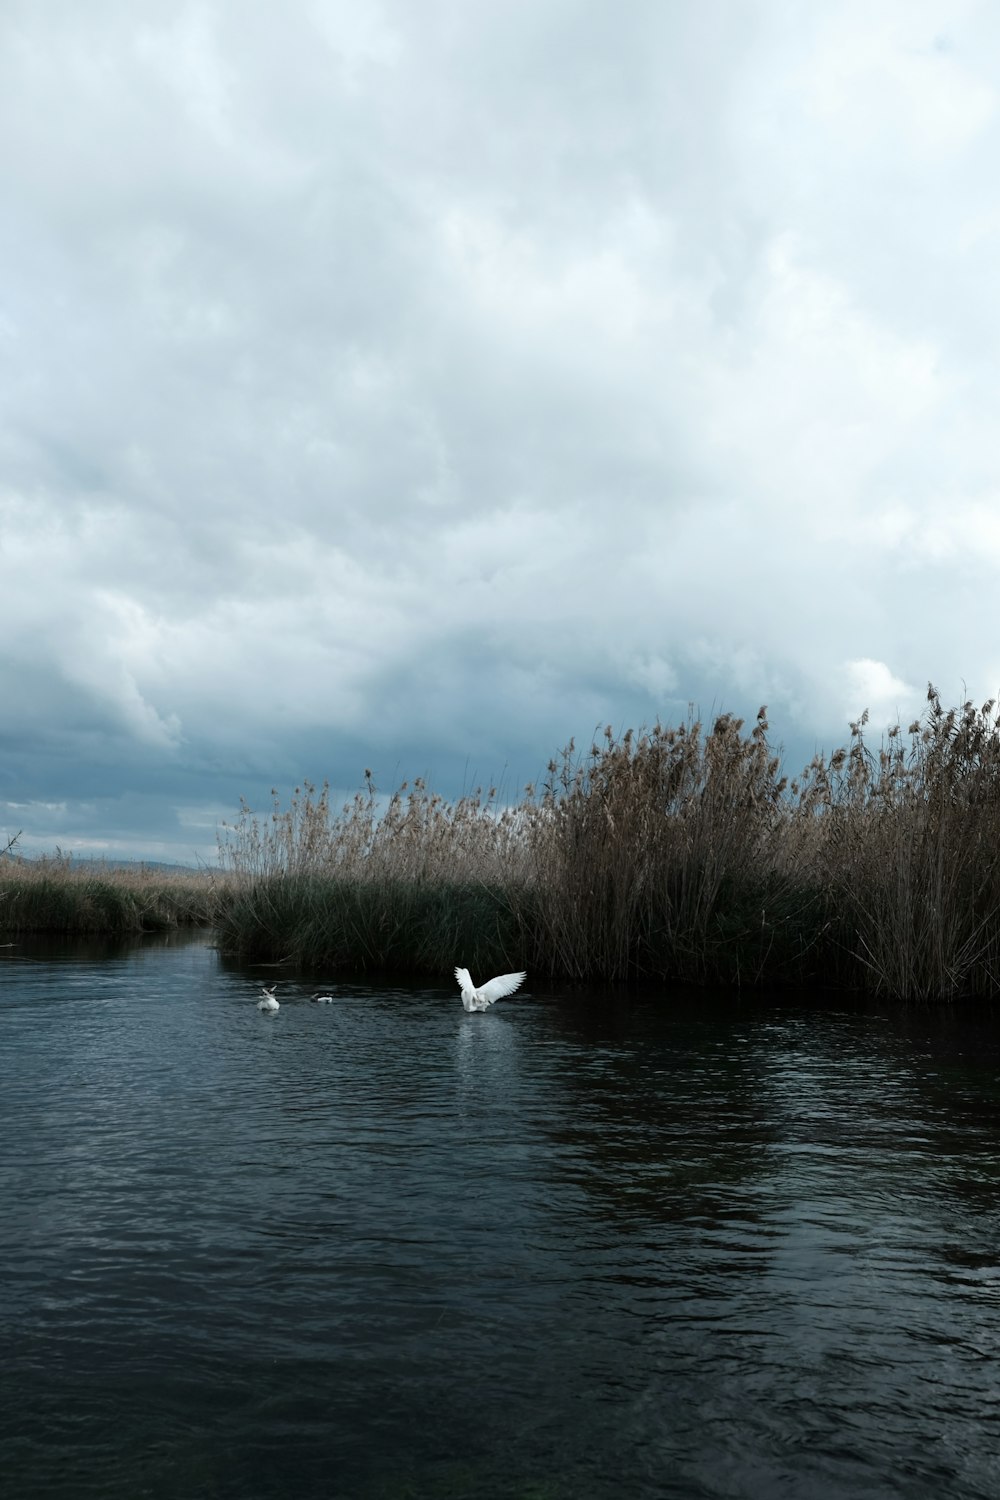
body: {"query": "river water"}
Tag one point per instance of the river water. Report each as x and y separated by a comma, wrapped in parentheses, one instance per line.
(574, 1247)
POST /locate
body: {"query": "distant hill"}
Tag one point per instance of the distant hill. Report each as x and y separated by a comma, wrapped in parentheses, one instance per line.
(87, 861)
(144, 864)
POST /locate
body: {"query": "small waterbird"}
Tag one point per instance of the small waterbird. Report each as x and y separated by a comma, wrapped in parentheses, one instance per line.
(321, 999)
(486, 994)
(267, 1000)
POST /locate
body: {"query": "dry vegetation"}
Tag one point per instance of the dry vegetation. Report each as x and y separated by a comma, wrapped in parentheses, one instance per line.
(677, 854)
(674, 854)
(60, 894)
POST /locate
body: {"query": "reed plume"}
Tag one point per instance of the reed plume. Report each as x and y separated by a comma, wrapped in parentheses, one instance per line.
(672, 854)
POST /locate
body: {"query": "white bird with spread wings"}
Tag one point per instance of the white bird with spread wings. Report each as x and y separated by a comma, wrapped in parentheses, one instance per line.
(483, 997)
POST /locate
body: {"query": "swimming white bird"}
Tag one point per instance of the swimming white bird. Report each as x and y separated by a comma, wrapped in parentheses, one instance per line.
(267, 1000)
(319, 999)
(483, 997)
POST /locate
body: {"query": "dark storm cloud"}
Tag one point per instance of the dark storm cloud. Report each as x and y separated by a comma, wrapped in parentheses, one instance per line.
(417, 387)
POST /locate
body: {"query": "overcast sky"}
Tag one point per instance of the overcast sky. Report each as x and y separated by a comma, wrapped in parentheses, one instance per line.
(415, 384)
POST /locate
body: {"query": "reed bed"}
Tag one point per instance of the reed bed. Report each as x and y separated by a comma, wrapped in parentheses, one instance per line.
(61, 895)
(678, 854)
(388, 887)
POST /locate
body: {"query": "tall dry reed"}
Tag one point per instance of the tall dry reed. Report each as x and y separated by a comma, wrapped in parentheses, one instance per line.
(397, 883)
(677, 853)
(914, 853)
(655, 853)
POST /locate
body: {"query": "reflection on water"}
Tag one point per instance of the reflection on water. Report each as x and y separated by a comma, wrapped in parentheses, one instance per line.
(571, 1247)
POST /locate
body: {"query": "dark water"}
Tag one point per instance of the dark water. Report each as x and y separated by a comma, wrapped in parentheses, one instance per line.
(570, 1248)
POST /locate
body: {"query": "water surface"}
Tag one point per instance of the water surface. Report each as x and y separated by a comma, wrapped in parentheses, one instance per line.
(577, 1246)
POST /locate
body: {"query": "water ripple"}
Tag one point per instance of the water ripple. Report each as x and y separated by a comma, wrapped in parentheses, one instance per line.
(575, 1246)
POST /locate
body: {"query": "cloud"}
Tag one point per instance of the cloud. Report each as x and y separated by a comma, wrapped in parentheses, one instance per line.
(419, 387)
(872, 687)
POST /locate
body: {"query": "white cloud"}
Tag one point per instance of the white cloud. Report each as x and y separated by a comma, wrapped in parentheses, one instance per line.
(888, 78)
(872, 686)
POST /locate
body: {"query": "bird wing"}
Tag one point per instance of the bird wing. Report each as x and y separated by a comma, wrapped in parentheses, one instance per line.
(504, 984)
(464, 979)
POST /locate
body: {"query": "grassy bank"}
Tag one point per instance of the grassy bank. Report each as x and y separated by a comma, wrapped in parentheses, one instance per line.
(61, 895)
(678, 854)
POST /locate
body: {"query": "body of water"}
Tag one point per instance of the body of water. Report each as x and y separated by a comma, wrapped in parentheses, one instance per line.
(574, 1247)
